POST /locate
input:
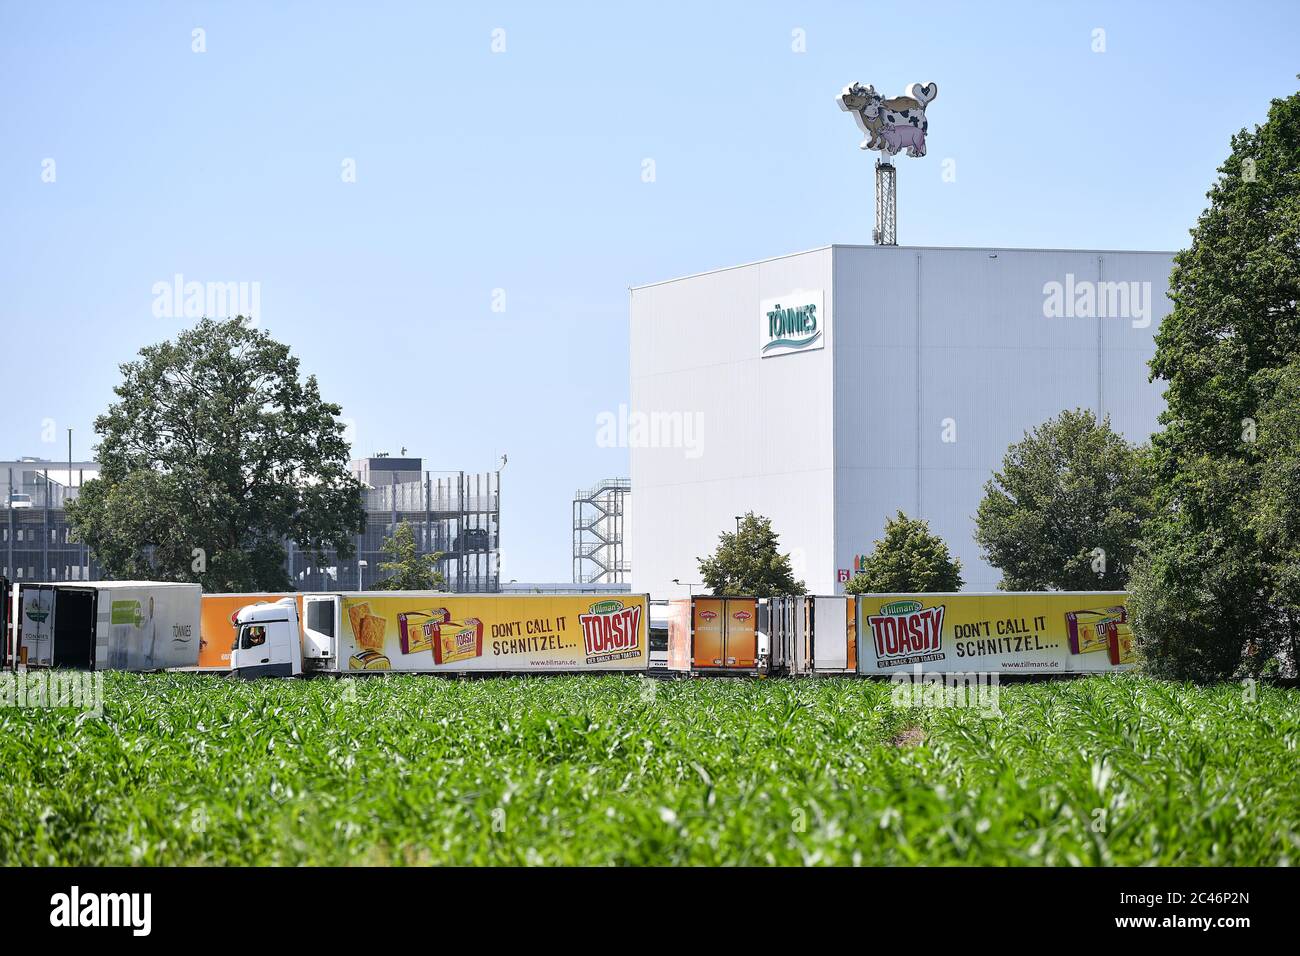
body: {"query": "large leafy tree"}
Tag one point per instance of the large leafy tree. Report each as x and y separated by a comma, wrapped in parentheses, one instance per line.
(1066, 510)
(1216, 590)
(749, 561)
(407, 569)
(215, 453)
(908, 559)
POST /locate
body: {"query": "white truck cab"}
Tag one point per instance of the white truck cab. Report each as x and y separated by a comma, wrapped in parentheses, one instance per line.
(273, 640)
(267, 641)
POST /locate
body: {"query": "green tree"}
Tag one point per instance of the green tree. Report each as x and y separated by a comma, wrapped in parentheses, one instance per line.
(749, 561)
(1214, 592)
(909, 559)
(1067, 508)
(409, 570)
(215, 453)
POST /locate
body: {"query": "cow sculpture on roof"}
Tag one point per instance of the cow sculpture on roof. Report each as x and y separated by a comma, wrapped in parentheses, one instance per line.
(890, 125)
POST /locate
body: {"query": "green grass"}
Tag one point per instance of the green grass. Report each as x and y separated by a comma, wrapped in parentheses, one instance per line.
(196, 769)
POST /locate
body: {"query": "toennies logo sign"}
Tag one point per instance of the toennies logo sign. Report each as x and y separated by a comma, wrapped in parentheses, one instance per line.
(792, 323)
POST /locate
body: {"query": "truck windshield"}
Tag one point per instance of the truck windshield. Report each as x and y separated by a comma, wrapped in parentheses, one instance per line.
(252, 635)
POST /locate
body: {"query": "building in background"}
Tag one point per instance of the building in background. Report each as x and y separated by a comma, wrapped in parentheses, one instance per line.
(829, 389)
(454, 513)
(35, 544)
(599, 532)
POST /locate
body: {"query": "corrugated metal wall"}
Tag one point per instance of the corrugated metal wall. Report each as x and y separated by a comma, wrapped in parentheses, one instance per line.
(944, 357)
(765, 439)
(925, 345)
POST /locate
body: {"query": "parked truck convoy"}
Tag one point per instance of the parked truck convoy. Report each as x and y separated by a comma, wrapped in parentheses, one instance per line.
(141, 625)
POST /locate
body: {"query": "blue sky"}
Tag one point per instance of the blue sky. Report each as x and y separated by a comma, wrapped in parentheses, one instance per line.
(522, 171)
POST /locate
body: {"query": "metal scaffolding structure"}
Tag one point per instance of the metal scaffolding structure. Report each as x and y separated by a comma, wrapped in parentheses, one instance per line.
(455, 514)
(886, 231)
(598, 532)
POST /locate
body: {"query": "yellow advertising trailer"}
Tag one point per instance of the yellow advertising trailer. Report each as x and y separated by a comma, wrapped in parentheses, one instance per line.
(437, 632)
(1026, 632)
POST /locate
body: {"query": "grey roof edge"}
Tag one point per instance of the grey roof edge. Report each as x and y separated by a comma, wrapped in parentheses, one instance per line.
(853, 245)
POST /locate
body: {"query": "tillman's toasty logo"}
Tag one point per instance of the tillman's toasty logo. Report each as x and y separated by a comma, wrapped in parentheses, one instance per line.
(742, 616)
(611, 631)
(905, 632)
(708, 615)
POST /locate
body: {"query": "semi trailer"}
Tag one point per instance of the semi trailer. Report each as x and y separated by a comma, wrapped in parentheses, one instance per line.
(716, 635)
(104, 625)
(1029, 632)
(437, 632)
(813, 635)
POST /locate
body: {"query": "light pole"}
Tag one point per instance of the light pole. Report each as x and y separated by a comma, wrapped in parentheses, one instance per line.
(738, 519)
(361, 571)
(494, 543)
(689, 585)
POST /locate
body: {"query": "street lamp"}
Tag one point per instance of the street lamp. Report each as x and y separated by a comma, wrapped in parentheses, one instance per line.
(738, 517)
(361, 571)
(689, 585)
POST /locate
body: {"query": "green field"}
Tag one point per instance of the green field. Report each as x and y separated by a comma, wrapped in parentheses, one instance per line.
(197, 769)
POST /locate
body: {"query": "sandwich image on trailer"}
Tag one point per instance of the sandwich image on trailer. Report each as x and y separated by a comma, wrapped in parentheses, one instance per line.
(106, 625)
(432, 632)
(1066, 632)
(715, 635)
(217, 624)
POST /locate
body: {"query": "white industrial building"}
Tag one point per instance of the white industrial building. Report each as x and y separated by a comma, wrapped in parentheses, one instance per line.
(828, 389)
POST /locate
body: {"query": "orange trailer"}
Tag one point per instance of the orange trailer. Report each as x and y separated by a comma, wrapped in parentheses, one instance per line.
(714, 635)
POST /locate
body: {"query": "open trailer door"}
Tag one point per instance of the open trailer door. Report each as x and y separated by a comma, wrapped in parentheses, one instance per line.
(33, 633)
(830, 634)
(74, 628)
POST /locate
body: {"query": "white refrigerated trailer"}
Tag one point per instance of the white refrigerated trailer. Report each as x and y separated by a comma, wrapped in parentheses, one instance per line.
(105, 625)
(813, 635)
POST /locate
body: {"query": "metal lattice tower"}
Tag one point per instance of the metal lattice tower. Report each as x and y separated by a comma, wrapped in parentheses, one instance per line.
(598, 521)
(886, 231)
